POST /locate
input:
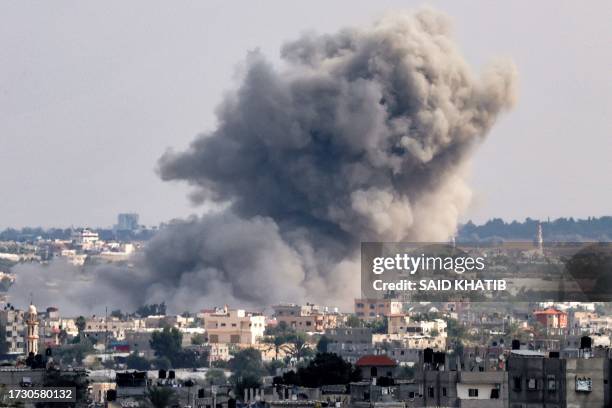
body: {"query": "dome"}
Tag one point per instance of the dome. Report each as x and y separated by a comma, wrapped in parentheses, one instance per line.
(32, 309)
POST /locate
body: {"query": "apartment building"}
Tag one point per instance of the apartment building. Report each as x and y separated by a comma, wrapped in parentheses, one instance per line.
(370, 309)
(14, 322)
(350, 343)
(306, 318)
(235, 326)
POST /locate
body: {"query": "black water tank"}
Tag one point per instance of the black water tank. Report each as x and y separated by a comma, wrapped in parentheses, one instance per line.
(111, 395)
(585, 342)
(439, 357)
(553, 354)
(516, 344)
(428, 355)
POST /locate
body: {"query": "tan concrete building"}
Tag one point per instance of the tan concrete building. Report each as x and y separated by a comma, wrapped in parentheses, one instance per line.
(235, 326)
(307, 318)
(370, 309)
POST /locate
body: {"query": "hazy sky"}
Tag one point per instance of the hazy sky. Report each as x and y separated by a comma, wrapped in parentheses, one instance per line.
(92, 94)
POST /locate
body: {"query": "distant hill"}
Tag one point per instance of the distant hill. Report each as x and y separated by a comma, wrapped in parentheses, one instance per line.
(561, 229)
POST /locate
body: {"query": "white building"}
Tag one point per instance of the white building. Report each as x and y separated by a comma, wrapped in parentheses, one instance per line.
(403, 324)
(85, 238)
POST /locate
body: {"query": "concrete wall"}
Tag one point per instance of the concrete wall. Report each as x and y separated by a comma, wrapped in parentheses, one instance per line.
(595, 369)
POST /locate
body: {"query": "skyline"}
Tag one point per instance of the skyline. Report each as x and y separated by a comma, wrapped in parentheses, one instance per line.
(132, 88)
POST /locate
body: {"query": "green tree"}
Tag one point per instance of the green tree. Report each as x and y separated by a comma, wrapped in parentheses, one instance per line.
(378, 326)
(248, 369)
(80, 323)
(273, 366)
(167, 342)
(324, 369)
(215, 377)
(136, 362)
(275, 342)
(354, 321)
(74, 353)
(455, 329)
(282, 329)
(247, 362)
(297, 346)
(198, 339)
(161, 397)
(162, 363)
(322, 344)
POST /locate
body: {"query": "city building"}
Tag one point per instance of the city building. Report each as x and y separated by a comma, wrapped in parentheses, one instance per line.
(15, 329)
(127, 222)
(235, 326)
(375, 366)
(85, 239)
(370, 309)
(350, 343)
(553, 320)
(307, 318)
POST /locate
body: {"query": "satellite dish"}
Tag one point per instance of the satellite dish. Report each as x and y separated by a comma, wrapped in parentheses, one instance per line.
(501, 357)
(478, 359)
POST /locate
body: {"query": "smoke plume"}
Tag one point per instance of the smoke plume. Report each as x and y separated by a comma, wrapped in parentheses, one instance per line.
(362, 135)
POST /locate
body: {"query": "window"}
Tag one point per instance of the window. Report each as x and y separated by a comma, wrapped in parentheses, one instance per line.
(584, 384)
(495, 393)
(532, 384)
(430, 392)
(411, 395)
(516, 383)
(551, 383)
(444, 391)
(473, 392)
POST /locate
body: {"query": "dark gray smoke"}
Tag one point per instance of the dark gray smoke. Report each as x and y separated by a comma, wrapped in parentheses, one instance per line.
(362, 135)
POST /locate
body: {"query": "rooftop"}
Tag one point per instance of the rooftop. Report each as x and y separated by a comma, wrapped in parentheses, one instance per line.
(375, 360)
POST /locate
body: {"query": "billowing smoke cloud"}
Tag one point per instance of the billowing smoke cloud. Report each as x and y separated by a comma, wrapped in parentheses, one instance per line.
(363, 135)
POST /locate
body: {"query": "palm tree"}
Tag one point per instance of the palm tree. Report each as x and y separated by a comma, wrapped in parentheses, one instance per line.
(275, 342)
(297, 345)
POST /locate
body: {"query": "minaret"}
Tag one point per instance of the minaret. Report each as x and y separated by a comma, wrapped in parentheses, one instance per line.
(32, 338)
(540, 239)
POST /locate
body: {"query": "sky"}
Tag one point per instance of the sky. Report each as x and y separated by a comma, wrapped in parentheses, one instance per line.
(92, 95)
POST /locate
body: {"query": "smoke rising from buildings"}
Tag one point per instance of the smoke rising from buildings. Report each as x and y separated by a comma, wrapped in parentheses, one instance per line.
(362, 135)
